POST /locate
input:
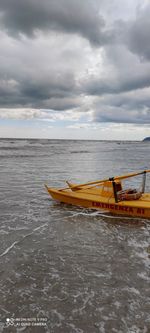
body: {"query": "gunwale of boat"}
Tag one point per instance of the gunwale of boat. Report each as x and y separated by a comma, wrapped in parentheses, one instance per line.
(82, 195)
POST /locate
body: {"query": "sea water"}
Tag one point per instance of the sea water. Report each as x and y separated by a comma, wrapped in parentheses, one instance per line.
(65, 269)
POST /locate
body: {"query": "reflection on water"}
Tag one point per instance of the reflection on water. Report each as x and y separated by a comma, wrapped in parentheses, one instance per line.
(84, 271)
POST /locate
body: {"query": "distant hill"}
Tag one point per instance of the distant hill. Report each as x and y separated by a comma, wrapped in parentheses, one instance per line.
(147, 139)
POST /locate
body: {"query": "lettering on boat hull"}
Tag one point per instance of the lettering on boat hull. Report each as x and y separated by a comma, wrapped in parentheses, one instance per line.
(115, 207)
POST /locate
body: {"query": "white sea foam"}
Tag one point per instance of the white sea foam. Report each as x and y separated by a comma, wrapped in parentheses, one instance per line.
(102, 327)
(3, 232)
(135, 329)
(75, 329)
(86, 300)
(40, 227)
(145, 256)
(82, 213)
(8, 249)
(117, 304)
(144, 276)
(18, 229)
(137, 244)
(5, 310)
(132, 290)
(20, 240)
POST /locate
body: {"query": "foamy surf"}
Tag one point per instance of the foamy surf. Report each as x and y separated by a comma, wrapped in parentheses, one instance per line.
(85, 271)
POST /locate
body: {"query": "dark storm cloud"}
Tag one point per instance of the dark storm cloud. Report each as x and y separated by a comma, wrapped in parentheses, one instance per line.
(130, 101)
(53, 94)
(100, 87)
(121, 114)
(41, 89)
(71, 16)
(138, 36)
(126, 107)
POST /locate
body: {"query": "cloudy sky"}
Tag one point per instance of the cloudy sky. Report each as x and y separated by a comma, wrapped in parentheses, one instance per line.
(75, 69)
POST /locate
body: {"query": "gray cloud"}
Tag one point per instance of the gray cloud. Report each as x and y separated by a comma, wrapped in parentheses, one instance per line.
(130, 100)
(122, 115)
(138, 34)
(71, 16)
(123, 73)
(48, 94)
(115, 85)
(44, 66)
(32, 74)
(123, 108)
(121, 93)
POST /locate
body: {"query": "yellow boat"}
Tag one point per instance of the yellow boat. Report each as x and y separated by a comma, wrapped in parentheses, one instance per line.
(107, 195)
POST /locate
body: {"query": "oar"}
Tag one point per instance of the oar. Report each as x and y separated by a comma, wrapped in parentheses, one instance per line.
(131, 175)
(106, 180)
(85, 184)
(79, 186)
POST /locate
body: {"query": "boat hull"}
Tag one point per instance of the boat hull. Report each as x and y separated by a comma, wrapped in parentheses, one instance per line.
(134, 208)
